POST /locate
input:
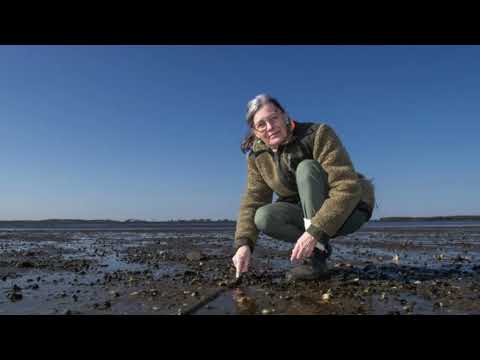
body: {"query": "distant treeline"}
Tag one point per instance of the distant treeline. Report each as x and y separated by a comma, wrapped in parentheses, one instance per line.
(432, 218)
(108, 222)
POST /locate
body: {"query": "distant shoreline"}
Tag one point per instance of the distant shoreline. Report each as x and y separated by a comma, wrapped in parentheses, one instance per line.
(432, 218)
(134, 222)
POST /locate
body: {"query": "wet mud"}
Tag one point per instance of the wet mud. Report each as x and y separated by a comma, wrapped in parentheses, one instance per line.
(188, 272)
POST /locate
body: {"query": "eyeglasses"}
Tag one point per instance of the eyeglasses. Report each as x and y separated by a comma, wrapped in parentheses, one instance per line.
(261, 126)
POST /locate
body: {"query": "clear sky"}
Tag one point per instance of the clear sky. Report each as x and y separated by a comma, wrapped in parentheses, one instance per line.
(153, 132)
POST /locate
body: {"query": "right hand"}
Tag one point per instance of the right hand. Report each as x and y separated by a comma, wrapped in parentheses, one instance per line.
(241, 260)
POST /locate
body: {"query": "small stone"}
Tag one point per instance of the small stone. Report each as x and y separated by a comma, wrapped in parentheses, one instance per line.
(35, 286)
(418, 282)
(15, 296)
(438, 304)
(194, 255)
(134, 293)
(25, 264)
(16, 288)
(155, 308)
(266, 312)
(67, 312)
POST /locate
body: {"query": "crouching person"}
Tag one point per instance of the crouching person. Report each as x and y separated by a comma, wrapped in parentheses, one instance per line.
(320, 195)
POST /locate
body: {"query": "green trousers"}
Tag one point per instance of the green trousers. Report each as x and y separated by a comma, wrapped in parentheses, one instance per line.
(284, 220)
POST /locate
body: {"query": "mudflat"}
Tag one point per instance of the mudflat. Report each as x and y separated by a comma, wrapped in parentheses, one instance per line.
(398, 271)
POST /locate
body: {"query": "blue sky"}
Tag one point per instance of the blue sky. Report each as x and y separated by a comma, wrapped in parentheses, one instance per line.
(153, 132)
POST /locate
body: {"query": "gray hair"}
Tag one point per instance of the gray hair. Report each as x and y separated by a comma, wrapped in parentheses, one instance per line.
(253, 106)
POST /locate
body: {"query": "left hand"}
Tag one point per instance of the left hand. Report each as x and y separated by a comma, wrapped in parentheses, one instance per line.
(304, 247)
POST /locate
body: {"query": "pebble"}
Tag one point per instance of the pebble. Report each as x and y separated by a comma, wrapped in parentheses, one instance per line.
(266, 312)
(194, 255)
(15, 296)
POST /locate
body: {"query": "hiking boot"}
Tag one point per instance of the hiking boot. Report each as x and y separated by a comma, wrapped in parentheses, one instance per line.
(312, 268)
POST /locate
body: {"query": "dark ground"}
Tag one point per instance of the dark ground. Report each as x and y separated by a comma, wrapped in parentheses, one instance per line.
(374, 271)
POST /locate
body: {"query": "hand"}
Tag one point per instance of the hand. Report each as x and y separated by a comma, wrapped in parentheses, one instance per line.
(241, 260)
(304, 247)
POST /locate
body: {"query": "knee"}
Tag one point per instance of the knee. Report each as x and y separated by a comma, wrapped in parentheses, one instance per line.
(263, 218)
(308, 168)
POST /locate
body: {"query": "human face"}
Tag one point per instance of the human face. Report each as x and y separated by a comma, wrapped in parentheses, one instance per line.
(269, 126)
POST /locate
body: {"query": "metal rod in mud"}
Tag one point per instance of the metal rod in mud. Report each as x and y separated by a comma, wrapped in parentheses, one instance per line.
(193, 308)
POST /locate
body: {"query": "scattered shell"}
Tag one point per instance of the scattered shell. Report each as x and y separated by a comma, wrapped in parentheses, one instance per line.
(327, 295)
